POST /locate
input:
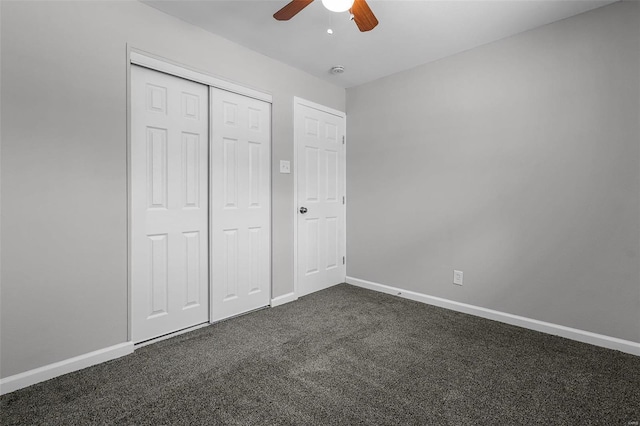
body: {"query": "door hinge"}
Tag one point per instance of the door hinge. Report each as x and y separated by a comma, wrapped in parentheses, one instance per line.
(344, 260)
(343, 200)
(342, 139)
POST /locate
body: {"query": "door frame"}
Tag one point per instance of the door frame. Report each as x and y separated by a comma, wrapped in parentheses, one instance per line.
(297, 103)
(154, 62)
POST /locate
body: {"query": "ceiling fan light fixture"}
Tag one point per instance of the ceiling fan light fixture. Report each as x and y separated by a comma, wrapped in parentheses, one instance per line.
(360, 12)
(338, 5)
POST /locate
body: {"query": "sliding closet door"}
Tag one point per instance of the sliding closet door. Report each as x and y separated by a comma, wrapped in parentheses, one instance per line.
(169, 204)
(240, 205)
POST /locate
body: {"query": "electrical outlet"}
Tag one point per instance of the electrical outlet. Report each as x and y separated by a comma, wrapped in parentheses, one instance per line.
(457, 277)
(285, 166)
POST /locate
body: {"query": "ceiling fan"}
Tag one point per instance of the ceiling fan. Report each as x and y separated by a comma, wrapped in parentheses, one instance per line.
(360, 11)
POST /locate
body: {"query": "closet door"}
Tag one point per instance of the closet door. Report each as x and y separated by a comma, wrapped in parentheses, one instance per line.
(169, 204)
(240, 205)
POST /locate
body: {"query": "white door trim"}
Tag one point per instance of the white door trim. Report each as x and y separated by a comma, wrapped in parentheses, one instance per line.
(303, 102)
(145, 59)
(148, 60)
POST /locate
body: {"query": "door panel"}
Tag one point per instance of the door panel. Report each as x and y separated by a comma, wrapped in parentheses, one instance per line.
(320, 183)
(240, 205)
(169, 204)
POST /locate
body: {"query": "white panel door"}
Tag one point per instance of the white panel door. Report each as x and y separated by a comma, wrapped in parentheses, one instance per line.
(320, 185)
(240, 204)
(169, 204)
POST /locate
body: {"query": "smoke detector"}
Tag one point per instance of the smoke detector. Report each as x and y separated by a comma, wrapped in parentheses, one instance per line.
(338, 69)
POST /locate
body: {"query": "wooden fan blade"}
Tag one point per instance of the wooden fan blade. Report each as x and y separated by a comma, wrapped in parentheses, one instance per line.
(291, 9)
(364, 17)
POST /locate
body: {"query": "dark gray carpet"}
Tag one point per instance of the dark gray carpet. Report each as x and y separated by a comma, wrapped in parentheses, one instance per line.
(346, 356)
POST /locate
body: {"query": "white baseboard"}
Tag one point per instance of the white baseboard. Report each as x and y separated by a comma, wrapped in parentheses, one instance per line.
(37, 375)
(285, 298)
(532, 324)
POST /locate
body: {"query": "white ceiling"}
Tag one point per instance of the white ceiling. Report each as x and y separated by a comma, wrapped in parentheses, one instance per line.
(410, 33)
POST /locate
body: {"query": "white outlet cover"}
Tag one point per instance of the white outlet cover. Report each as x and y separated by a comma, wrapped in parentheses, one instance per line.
(285, 166)
(458, 277)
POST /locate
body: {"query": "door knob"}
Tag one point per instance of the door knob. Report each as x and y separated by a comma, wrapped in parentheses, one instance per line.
(303, 210)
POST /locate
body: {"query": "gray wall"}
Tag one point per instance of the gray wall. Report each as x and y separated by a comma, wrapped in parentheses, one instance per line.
(64, 240)
(517, 162)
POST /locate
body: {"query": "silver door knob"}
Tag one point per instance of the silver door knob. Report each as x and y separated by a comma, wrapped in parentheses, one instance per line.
(303, 210)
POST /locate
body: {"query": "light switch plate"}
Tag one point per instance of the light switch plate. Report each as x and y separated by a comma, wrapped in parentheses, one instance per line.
(285, 166)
